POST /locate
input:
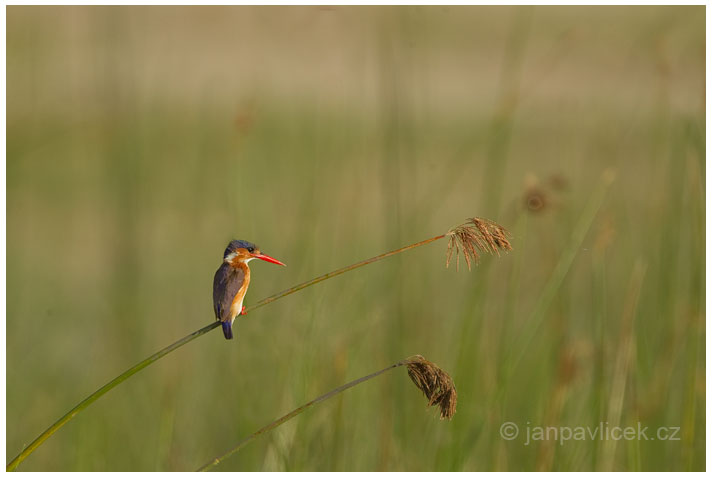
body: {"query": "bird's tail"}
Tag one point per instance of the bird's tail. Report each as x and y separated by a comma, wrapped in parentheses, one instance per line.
(227, 329)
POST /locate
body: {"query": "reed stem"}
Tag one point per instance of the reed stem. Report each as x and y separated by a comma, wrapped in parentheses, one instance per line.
(94, 396)
(434, 382)
(337, 272)
(163, 352)
(215, 461)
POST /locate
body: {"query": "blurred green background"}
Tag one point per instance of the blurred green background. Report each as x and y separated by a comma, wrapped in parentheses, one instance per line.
(140, 140)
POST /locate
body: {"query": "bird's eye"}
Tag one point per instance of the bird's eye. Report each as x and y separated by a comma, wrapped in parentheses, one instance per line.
(250, 250)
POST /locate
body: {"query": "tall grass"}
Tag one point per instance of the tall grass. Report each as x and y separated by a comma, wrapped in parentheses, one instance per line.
(139, 141)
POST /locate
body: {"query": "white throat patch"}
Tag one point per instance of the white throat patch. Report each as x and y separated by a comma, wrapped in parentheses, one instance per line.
(228, 258)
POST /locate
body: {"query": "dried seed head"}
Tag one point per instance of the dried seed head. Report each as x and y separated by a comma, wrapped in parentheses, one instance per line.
(435, 383)
(475, 236)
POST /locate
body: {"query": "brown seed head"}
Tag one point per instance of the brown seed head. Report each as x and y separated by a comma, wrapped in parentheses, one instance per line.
(475, 236)
(435, 383)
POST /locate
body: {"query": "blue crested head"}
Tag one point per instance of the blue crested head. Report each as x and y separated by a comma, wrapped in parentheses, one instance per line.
(239, 244)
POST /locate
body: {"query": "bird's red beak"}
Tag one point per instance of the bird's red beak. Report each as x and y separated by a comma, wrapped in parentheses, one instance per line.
(267, 258)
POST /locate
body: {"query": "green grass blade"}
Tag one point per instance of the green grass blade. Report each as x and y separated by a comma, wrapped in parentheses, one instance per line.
(163, 352)
(561, 270)
(215, 461)
(95, 396)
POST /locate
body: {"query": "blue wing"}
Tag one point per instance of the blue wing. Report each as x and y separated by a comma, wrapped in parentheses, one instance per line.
(226, 283)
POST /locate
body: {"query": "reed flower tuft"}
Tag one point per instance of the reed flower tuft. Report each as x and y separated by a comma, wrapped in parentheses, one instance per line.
(476, 236)
(435, 383)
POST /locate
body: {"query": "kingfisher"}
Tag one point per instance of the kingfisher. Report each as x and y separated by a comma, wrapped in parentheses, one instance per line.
(232, 279)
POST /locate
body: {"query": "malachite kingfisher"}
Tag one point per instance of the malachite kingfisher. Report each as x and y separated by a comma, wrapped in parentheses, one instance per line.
(232, 280)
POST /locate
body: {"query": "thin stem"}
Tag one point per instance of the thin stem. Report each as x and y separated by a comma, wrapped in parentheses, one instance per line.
(560, 272)
(163, 352)
(94, 396)
(215, 461)
(337, 272)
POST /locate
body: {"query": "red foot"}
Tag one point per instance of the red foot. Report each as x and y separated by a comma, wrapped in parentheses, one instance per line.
(242, 312)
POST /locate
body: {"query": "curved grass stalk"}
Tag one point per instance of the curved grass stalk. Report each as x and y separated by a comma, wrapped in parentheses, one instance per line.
(456, 238)
(433, 381)
(94, 396)
(337, 272)
(163, 352)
